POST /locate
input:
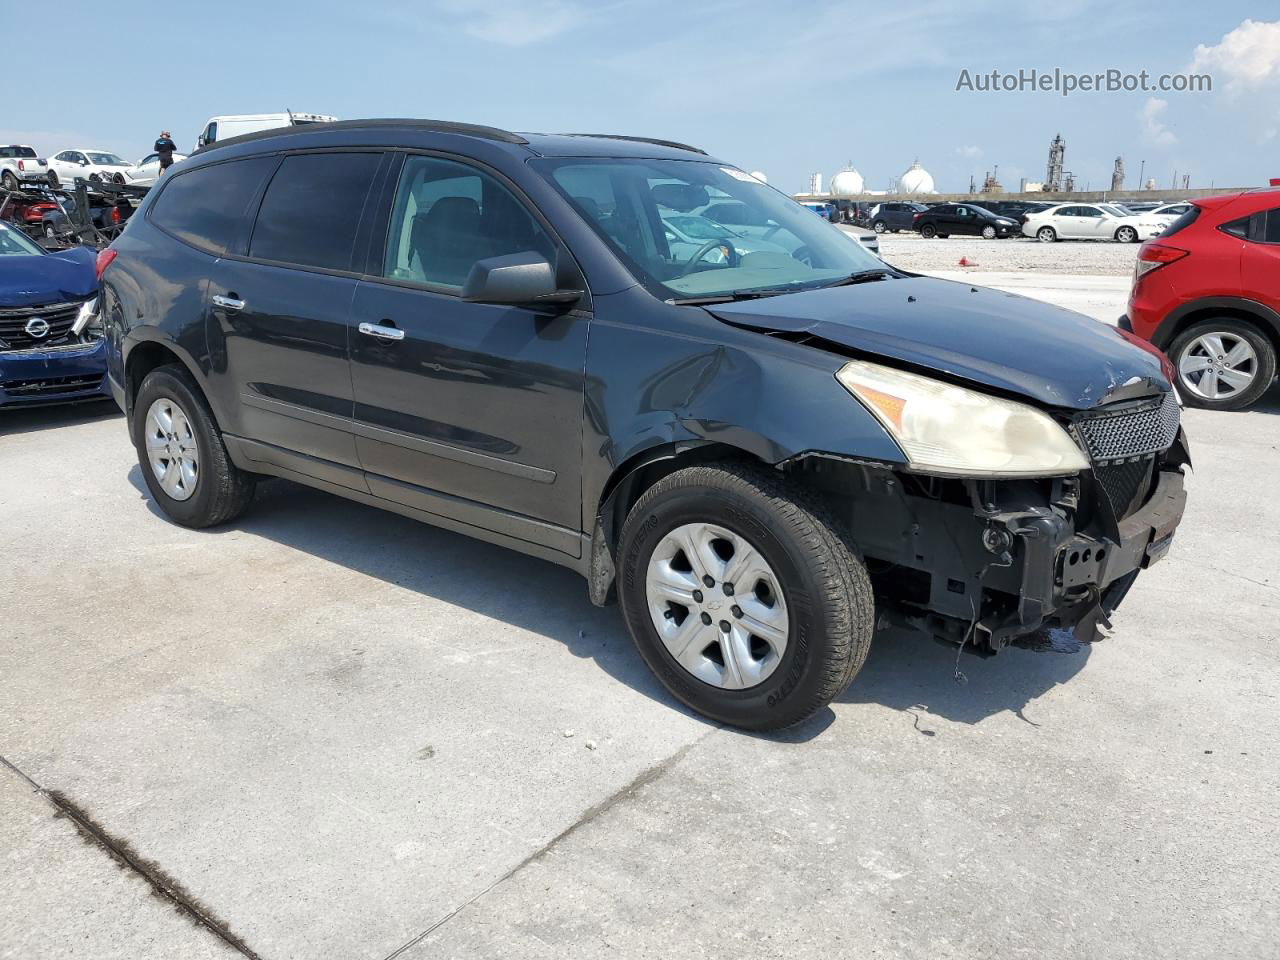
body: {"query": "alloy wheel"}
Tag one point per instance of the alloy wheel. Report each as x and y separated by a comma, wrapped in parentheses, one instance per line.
(171, 449)
(717, 606)
(1217, 366)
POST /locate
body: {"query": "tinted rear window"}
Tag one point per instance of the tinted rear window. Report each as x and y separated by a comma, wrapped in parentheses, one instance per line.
(311, 210)
(17, 152)
(206, 206)
(1184, 221)
(1271, 231)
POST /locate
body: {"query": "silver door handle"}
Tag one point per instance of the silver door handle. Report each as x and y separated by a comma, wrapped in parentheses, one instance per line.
(381, 332)
(228, 303)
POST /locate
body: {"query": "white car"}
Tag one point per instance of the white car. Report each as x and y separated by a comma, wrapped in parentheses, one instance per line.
(1167, 213)
(67, 166)
(1090, 221)
(147, 170)
(226, 127)
(19, 164)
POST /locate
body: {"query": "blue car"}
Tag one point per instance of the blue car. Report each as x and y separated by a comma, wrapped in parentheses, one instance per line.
(51, 346)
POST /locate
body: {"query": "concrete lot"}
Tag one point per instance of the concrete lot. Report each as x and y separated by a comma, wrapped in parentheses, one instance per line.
(331, 732)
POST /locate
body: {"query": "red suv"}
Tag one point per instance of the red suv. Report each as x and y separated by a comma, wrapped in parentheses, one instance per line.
(1207, 292)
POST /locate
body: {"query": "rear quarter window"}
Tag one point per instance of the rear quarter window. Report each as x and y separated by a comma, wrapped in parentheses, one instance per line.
(205, 207)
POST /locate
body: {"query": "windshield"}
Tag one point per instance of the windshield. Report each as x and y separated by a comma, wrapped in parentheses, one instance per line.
(15, 244)
(105, 159)
(770, 241)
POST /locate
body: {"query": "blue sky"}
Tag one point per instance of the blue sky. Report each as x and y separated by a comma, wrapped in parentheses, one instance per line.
(787, 88)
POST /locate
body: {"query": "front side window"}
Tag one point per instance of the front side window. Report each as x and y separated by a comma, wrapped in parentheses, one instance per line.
(446, 216)
(311, 210)
(206, 206)
(771, 242)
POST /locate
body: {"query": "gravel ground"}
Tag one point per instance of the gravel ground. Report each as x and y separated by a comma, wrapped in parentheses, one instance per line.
(1095, 257)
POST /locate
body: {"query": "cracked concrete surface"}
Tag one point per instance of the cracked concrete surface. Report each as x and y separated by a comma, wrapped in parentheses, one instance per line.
(343, 733)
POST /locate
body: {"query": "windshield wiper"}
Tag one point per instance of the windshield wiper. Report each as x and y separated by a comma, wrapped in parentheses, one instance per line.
(730, 297)
(862, 276)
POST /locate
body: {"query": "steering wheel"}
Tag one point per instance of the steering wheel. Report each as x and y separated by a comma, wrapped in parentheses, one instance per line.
(731, 255)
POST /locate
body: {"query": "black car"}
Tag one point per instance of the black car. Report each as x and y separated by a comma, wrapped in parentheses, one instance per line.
(762, 453)
(895, 215)
(1016, 210)
(964, 219)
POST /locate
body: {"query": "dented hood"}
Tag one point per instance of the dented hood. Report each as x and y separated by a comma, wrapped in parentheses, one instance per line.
(28, 281)
(1015, 344)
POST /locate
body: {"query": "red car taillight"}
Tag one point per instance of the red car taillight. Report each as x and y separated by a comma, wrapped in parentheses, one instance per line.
(1152, 256)
(104, 260)
(115, 214)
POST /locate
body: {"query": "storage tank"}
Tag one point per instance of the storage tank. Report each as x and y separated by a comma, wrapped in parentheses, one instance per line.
(916, 180)
(847, 183)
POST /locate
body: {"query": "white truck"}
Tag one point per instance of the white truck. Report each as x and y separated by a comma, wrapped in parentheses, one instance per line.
(224, 128)
(20, 165)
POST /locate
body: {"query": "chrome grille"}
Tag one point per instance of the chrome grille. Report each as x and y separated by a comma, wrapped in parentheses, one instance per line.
(13, 323)
(1128, 430)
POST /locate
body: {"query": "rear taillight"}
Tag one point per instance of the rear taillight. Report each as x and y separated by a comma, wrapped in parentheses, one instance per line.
(22, 165)
(104, 260)
(1153, 255)
(115, 214)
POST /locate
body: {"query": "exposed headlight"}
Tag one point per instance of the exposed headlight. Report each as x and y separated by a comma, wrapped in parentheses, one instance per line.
(87, 317)
(947, 429)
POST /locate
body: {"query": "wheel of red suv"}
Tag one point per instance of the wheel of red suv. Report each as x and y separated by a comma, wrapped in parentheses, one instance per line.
(988, 232)
(180, 450)
(879, 226)
(1223, 364)
(1127, 235)
(928, 231)
(743, 596)
(1046, 234)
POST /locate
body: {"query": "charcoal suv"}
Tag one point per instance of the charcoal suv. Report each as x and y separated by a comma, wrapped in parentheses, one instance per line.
(762, 453)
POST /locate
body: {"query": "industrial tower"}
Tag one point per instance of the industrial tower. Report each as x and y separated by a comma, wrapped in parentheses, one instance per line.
(1057, 154)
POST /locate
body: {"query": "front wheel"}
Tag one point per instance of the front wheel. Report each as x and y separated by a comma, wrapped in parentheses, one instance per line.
(1223, 364)
(928, 231)
(743, 596)
(1046, 235)
(988, 232)
(180, 450)
(1127, 235)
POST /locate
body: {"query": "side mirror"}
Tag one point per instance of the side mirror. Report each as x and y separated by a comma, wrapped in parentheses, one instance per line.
(517, 278)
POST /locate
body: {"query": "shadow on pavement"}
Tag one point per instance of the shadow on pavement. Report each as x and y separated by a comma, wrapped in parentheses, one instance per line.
(903, 671)
(16, 421)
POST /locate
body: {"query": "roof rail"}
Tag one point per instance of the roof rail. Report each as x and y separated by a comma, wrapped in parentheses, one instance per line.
(433, 126)
(673, 144)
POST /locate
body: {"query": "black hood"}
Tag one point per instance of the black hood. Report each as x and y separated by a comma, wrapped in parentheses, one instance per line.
(1015, 344)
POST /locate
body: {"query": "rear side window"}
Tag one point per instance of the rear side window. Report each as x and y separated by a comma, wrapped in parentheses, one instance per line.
(311, 210)
(1271, 229)
(205, 207)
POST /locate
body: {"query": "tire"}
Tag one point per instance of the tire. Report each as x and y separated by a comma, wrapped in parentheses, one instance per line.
(822, 595)
(1188, 349)
(49, 231)
(221, 491)
(53, 180)
(1127, 235)
(988, 232)
(9, 180)
(879, 226)
(1046, 235)
(928, 231)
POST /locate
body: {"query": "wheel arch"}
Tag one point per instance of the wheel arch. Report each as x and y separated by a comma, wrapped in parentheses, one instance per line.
(146, 355)
(1237, 308)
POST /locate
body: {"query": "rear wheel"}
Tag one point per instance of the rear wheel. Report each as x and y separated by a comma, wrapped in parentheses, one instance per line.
(1223, 364)
(879, 226)
(928, 231)
(742, 595)
(53, 180)
(9, 180)
(184, 461)
(1046, 234)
